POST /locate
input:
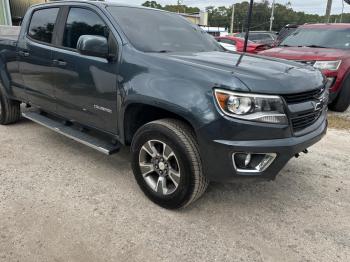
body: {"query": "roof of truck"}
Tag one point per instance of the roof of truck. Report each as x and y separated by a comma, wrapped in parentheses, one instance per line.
(97, 3)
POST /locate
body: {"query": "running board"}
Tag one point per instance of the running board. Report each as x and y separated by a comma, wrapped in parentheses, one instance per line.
(72, 133)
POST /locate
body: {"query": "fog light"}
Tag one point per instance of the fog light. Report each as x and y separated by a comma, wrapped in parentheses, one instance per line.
(252, 162)
(247, 160)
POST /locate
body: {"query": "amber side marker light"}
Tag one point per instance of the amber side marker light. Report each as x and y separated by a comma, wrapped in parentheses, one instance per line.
(222, 99)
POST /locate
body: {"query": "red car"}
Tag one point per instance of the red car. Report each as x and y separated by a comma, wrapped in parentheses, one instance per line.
(326, 47)
(233, 43)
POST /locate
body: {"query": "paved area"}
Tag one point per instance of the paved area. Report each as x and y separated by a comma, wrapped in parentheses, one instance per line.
(61, 201)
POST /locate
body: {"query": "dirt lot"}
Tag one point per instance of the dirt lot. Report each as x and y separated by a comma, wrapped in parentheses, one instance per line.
(61, 201)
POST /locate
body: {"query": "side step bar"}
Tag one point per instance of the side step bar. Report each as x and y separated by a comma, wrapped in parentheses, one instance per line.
(68, 131)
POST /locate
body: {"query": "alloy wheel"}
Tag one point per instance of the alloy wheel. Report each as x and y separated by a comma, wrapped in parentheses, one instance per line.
(159, 167)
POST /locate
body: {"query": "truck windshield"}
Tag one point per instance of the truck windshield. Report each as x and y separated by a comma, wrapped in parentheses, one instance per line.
(157, 31)
(319, 37)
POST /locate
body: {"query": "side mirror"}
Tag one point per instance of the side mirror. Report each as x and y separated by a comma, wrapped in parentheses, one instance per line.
(93, 45)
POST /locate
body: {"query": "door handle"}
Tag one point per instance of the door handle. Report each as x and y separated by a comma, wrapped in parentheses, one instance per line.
(23, 53)
(59, 62)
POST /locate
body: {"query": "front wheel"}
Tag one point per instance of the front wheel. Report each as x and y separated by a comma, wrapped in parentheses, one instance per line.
(342, 102)
(166, 163)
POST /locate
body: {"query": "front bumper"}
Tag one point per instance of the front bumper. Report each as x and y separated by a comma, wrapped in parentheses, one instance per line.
(217, 154)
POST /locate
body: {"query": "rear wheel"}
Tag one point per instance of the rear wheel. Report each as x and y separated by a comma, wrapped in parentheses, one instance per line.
(10, 111)
(342, 101)
(166, 163)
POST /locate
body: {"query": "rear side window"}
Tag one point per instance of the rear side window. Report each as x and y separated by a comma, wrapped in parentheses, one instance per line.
(42, 24)
(82, 21)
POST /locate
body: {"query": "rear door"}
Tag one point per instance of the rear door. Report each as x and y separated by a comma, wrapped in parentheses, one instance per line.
(35, 58)
(86, 86)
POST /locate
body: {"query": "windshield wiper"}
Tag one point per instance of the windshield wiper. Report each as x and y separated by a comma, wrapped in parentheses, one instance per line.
(285, 45)
(161, 51)
(315, 46)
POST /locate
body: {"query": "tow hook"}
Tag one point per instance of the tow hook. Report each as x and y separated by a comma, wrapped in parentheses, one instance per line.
(305, 151)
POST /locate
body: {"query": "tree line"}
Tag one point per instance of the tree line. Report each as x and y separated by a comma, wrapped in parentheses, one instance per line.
(172, 8)
(221, 16)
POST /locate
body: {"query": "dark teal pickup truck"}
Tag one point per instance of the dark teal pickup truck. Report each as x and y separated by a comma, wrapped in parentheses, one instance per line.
(109, 75)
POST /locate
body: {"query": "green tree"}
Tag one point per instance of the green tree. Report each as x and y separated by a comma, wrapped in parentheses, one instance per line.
(181, 9)
(172, 8)
(284, 14)
(221, 16)
(152, 4)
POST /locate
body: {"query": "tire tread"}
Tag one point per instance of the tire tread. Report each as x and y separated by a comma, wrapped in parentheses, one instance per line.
(342, 102)
(187, 136)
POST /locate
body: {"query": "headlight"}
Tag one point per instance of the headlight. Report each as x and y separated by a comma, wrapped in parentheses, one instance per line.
(253, 107)
(328, 65)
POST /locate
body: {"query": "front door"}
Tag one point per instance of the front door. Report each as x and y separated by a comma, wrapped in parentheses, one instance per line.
(86, 86)
(35, 59)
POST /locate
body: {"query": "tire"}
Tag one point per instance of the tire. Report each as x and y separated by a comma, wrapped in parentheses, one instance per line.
(342, 102)
(10, 110)
(176, 144)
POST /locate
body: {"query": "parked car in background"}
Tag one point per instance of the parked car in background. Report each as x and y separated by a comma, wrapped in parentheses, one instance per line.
(286, 31)
(260, 37)
(233, 43)
(227, 43)
(326, 47)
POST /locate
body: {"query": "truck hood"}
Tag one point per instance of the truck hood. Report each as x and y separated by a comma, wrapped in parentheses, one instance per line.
(259, 74)
(306, 53)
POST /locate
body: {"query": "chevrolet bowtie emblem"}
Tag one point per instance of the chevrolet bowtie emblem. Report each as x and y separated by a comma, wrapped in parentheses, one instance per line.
(319, 105)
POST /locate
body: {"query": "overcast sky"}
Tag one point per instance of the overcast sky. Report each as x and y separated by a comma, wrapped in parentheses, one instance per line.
(308, 6)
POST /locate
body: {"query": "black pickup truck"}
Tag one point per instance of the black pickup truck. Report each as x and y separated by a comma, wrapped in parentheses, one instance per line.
(109, 75)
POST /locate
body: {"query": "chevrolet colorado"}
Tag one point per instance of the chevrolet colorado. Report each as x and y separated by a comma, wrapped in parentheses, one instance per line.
(109, 75)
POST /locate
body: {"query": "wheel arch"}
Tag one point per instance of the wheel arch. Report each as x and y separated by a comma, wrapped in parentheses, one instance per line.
(138, 114)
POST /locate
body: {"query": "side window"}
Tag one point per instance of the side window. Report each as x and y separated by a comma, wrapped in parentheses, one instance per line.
(42, 24)
(82, 21)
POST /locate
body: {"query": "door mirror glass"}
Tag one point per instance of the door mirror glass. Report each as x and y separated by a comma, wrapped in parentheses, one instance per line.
(93, 45)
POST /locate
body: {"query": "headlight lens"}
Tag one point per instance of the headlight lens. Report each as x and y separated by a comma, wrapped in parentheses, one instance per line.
(239, 105)
(253, 107)
(328, 65)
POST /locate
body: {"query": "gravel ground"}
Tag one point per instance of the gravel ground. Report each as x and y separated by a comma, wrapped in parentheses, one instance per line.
(62, 201)
(345, 115)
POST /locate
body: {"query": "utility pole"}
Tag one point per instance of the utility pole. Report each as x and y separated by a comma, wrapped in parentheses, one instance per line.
(328, 10)
(272, 15)
(232, 18)
(342, 11)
